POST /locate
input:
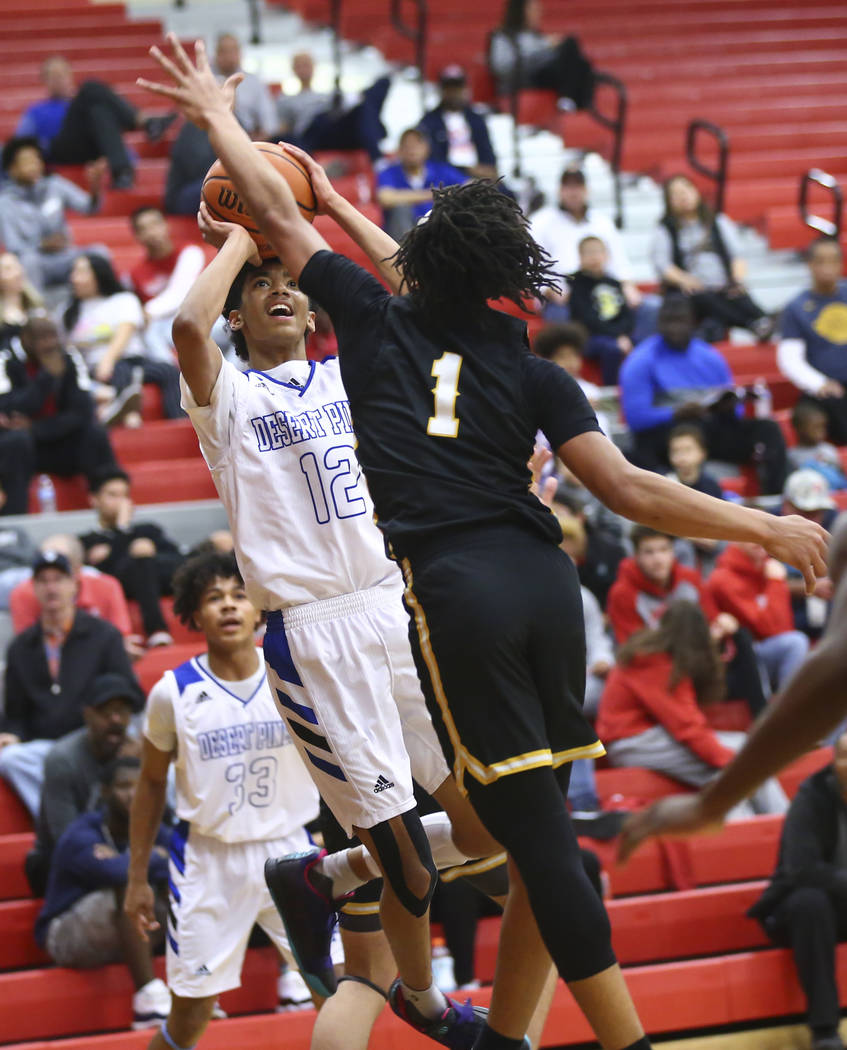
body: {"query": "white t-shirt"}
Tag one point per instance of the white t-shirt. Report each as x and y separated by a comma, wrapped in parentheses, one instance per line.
(560, 233)
(281, 449)
(98, 321)
(239, 777)
(461, 152)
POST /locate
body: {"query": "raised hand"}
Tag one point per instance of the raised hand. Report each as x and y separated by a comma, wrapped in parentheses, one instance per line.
(323, 188)
(194, 89)
(217, 232)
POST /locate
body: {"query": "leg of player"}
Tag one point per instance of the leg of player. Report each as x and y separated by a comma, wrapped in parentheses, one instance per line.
(186, 1022)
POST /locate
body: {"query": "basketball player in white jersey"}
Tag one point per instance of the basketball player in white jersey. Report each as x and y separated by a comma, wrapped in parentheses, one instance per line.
(243, 794)
(280, 445)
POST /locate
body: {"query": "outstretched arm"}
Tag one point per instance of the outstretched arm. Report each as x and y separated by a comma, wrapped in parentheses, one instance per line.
(653, 500)
(267, 195)
(198, 354)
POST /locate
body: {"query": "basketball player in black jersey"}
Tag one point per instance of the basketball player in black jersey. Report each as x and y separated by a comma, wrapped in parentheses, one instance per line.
(446, 399)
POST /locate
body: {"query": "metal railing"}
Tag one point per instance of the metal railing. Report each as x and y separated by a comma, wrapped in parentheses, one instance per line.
(616, 123)
(417, 31)
(816, 177)
(717, 175)
(335, 26)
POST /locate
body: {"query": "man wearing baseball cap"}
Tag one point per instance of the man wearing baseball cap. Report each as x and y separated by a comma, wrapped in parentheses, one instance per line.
(50, 672)
(806, 492)
(75, 764)
(457, 130)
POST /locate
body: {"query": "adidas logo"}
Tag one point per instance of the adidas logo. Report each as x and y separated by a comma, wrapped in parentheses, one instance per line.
(203, 971)
(382, 784)
(203, 696)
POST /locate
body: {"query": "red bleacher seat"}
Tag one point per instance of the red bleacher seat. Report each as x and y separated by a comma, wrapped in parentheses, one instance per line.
(13, 850)
(17, 943)
(153, 664)
(14, 816)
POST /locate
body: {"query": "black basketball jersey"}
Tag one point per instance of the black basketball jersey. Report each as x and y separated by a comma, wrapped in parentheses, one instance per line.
(445, 417)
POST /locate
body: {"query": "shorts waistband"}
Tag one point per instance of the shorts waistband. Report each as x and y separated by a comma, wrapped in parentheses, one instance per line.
(333, 608)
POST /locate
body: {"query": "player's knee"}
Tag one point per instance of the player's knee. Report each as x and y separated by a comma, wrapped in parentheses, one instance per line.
(188, 1020)
(406, 861)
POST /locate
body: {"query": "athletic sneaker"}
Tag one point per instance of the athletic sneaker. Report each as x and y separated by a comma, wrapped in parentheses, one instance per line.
(151, 1005)
(308, 913)
(292, 992)
(459, 1026)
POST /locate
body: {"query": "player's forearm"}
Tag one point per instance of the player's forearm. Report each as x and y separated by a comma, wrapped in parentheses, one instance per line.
(145, 818)
(372, 239)
(811, 706)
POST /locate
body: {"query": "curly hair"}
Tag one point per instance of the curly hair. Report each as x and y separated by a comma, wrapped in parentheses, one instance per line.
(475, 245)
(194, 576)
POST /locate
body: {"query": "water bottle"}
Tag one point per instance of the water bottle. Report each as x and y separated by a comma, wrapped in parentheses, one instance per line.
(363, 189)
(442, 966)
(46, 493)
(763, 404)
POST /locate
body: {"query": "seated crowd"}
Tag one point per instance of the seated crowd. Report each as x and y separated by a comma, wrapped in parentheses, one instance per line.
(675, 628)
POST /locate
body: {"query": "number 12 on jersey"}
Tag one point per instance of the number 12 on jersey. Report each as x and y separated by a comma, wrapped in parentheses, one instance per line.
(444, 423)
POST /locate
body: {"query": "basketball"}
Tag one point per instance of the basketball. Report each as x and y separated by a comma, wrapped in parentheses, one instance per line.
(222, 200)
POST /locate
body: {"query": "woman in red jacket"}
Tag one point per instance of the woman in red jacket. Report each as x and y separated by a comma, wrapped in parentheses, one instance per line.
(651, 714)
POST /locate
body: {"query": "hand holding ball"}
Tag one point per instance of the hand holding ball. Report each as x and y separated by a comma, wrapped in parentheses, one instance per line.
(224, 203)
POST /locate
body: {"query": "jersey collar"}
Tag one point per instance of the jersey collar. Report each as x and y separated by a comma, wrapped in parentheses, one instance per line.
(301, 390)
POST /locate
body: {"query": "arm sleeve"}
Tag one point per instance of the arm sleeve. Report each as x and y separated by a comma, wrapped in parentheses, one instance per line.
(159, 721)
(558, 406)
(637, 395)
(791, 361)
(356, 303)
(188, 267)
(679, 713)
(213, 422)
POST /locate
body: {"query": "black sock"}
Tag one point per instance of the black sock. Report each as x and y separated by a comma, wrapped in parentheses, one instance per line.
(491, 1040)
(640, 1044)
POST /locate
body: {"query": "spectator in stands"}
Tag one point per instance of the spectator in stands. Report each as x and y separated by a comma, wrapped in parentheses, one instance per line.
(521, 55)
(812, 451)
(254, 105)
(97, 593)
(673, 376)
(162, 278)
(105, 323)
(17, 553)
(80, 126)
(805, 905)
(687, 455)
(752, 587)
(191, 157)
(560, 227)
(563, 343)
(604, 551)
(82, 924)
(696, 253)
(807, 493)
(653, 578)
(457, 132)
(138, 554)
(316, 120)
(47, 405)
(50, 673)
(812, 352)
(74, 768)
(651, 714)
(597, 300)
(18, 298)
(404, 189)
(32, 211)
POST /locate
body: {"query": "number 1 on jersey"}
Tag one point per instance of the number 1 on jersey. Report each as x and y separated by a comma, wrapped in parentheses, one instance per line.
(446, 371)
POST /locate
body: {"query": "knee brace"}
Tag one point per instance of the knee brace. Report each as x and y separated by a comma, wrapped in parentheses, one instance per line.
(166, 1035)
(388, 852)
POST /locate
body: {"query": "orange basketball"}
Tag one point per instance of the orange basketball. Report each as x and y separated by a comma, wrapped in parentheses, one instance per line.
(223, 201)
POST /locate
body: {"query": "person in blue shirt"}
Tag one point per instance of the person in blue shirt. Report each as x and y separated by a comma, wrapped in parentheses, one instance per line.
(671, 377)
(404, 189)
(82, 923)
(457, 132)
(813, 350)
(79, 126)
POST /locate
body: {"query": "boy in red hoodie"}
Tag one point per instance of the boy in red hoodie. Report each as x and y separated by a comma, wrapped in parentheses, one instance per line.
(650, 580)
(752, 587)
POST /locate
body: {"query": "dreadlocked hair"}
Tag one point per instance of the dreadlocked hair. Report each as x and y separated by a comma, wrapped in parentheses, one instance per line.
(474, 246)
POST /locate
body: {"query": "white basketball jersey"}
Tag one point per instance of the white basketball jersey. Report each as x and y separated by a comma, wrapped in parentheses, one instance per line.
(281, 449)
(239, 777)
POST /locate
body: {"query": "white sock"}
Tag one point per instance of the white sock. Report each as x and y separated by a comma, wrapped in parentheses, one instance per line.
(430, 1002)
(439, 831)
(337, 867)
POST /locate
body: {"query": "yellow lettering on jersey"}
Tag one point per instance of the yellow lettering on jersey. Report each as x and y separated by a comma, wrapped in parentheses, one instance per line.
(446, 371)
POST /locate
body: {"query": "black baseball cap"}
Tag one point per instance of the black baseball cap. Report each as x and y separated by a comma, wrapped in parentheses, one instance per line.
(113, 686)
(51, 560)
(453, 74)
(573, 174)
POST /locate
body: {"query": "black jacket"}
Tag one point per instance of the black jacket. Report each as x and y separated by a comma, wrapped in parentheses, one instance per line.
(436, 129)
(37, 708)
(58, 406)
(599, 304)
(807, 849)
(117, 561)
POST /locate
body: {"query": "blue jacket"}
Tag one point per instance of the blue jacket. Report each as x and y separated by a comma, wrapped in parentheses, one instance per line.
(435, 174)
(43, 120)
(75, 871)
(433, 125)
(654, 379)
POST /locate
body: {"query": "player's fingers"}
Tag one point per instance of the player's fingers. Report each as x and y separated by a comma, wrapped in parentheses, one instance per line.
(166, 64)
(165, 90)
(810, 577)
(180, 54)
(201, 60)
